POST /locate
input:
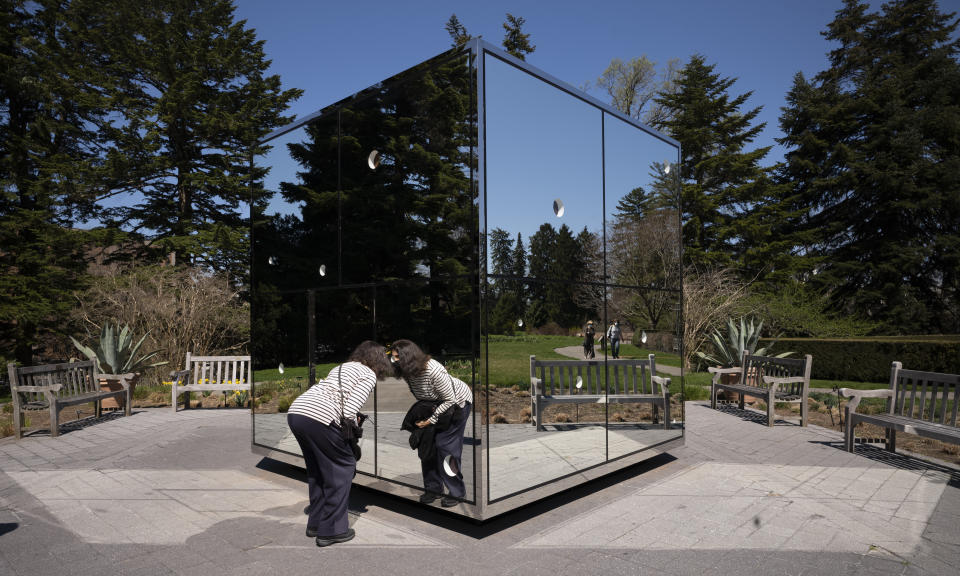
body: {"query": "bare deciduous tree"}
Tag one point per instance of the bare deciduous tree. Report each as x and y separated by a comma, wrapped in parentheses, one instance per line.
(183, 309)
(709, 297)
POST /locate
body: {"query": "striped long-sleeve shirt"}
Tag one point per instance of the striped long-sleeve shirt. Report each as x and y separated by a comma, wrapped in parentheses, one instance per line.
(435, 384)
(322, 400)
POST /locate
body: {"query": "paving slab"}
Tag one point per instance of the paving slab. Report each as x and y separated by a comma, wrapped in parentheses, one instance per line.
(181, 493)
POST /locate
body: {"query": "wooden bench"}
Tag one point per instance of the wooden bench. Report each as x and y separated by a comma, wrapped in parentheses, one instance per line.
(921, 403)
(601, 382)
(772, 379)
(53, 387)
(211, 373)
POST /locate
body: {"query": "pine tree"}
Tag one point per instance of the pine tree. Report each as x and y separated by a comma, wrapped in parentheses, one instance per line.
(515, 42)
(457, 31)
(720, 175)
(48, 162)
(875, 159)
(190, 88)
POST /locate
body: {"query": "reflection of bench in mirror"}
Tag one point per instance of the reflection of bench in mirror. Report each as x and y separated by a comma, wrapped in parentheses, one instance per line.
(597, 381)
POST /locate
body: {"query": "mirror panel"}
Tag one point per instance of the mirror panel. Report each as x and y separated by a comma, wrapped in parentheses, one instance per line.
(641, 413)
(437, 316)
(572, 437)
(543, 173)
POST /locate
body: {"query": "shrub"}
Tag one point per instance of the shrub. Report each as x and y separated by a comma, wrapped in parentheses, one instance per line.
(500, 419)
(526, 416)
(869, 359)
(283, 404)
(562, 417)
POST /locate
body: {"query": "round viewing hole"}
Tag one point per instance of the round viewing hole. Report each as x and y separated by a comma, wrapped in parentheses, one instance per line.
(558, 208)
(323, 270)
(272, 260)
(373, 160)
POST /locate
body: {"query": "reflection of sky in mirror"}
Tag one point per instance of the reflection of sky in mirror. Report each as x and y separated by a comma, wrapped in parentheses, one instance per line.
(632, 158)
(282, 168)
(542, 144)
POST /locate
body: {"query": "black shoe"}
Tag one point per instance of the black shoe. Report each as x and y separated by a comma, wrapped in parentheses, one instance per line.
(428, 497)
(449, 501)
(345, 537)
(311, 532)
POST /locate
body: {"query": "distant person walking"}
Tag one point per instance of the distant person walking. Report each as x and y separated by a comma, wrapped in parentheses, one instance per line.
(614, 335)
(589, 333)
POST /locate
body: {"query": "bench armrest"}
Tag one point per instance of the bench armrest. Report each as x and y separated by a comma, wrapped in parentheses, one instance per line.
(180, 377)
(664, 384)
(775, 381)
(536, 386)
(124, 379)
(855, 396)
(718, 371)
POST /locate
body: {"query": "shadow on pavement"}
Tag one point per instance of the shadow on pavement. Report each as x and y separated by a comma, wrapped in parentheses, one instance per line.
(361, 497)
(903, 460)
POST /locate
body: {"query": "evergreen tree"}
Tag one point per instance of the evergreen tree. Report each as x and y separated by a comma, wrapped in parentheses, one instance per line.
(457, 31)
(48, 160)
(519, 259)
(192, 98)
(721, 178)
(875, 161)
(515, 42)
(501, 252)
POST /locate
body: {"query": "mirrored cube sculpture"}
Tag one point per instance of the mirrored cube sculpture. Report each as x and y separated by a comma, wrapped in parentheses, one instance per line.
(524, 234)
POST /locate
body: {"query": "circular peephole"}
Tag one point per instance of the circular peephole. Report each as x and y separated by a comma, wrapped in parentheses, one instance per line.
(272, 260)
(643, 337)
(558, 208)
(450, 466)
(666, 167)
(373, 160)
(280, 368)
(520, 323)
(323, 270)
(579, 382)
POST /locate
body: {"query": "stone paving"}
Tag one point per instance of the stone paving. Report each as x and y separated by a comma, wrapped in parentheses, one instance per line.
(165, 493)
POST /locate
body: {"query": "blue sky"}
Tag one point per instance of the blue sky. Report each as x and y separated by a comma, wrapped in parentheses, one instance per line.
(333, 49)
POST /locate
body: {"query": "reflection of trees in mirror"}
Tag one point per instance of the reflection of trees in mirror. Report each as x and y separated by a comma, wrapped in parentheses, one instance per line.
(557, 262)
(645, 252)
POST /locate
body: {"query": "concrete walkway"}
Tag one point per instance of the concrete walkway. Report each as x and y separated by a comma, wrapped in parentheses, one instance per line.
(163, 493)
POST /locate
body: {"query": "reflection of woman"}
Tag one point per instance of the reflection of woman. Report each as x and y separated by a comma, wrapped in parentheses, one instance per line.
(314, 419)
(588, 334)
(429, 380)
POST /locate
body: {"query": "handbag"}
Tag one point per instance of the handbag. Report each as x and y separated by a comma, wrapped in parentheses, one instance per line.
(351, 430)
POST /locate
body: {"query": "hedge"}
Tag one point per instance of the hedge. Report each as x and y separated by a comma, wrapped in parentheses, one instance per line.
(869, 359)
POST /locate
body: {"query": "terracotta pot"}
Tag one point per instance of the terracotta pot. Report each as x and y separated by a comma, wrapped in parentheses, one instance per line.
(113, 384)
(730, 379)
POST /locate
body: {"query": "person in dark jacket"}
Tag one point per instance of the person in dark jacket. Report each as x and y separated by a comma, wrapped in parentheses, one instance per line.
(588, 335)
(314, 419)
(429, 380)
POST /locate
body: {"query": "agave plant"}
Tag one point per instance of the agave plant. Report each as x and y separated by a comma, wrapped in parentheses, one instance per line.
(728, 351)
(116, 352)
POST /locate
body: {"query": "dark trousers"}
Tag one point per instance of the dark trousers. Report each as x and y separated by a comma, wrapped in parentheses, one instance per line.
(330, 470)
(448, 442)
(615, 347)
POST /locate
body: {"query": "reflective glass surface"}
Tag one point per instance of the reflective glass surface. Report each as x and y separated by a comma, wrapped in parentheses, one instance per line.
(369, 231)
(503, 241)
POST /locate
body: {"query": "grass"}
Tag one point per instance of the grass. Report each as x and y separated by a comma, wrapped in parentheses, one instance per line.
(291, 373)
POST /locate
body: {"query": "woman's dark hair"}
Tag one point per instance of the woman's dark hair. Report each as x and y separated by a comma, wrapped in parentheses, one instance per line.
(411, 358)
(373, 356)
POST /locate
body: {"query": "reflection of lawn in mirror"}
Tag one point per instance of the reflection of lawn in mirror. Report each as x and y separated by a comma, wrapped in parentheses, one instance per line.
(509, 356)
